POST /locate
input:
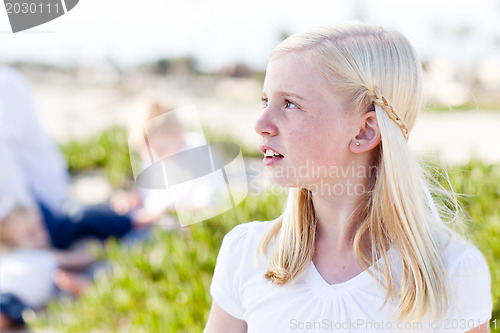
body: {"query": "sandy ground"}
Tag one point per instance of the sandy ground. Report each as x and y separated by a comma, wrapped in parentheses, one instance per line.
(456, 137)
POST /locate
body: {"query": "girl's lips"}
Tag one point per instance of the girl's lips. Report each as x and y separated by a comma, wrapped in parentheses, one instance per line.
(271, 160)
(264, 148)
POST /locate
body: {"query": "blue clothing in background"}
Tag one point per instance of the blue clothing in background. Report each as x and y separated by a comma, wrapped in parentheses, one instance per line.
(91, 222)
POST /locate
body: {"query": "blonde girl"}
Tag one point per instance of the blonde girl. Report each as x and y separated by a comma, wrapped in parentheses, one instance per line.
(360, 246)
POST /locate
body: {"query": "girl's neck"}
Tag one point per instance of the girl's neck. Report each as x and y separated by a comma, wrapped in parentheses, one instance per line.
(337, 219)
(338, 213)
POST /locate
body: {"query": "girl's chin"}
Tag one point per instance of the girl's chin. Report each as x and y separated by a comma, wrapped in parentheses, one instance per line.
(283, 182)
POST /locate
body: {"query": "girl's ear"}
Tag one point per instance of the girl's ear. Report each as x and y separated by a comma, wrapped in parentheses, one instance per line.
(368, 136)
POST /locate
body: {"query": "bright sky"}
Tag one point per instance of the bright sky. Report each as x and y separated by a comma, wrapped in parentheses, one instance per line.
(218, 32)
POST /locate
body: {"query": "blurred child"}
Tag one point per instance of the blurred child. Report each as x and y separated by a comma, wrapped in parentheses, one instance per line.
(22, 228)
(165, 137)
(29, 268)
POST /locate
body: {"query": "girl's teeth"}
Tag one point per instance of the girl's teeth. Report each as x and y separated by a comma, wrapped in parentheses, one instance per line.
(270, 153)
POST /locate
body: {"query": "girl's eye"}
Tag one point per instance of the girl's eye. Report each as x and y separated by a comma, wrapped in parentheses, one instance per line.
(291, 105)
(288, 104)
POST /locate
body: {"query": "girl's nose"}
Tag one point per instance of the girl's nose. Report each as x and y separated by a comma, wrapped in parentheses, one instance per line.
(265, 126)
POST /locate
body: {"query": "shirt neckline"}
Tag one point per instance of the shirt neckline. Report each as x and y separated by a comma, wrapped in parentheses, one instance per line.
(314, 277)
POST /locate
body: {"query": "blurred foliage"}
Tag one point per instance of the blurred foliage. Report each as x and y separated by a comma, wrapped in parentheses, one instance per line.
(158, 286)
(172, 66)
(108, 150)
(481, 185)
(213, 135)
(162, 285)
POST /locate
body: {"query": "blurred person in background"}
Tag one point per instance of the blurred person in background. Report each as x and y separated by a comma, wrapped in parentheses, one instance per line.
(33, 171)
(38, 168)
(165, 137)
(30, 267)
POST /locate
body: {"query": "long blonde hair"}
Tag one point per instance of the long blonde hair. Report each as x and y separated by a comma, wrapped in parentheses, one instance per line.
(373, 69)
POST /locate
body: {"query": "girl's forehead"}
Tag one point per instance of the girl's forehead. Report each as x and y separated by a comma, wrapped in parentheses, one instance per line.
(291, 60)
(295, 74)
(292, 71)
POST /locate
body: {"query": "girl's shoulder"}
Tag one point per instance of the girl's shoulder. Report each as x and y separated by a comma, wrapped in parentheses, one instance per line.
(241, 242)
(469, 281)
(243, 239)
(250, 231)
(463, 258)
(235, 265)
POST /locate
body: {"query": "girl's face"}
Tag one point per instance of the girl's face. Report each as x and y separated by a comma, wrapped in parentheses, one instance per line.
(305, 123)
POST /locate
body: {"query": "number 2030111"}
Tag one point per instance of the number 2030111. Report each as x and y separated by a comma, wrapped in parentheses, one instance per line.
(32, 8)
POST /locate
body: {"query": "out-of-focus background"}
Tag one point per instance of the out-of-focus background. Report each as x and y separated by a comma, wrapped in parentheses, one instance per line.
(94, 70)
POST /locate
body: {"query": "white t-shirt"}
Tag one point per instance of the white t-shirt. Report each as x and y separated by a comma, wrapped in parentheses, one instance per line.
(313, 305)
(29, 274)
(36, 166)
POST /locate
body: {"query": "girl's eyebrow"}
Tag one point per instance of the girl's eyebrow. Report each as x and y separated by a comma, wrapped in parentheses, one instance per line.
(286, 93)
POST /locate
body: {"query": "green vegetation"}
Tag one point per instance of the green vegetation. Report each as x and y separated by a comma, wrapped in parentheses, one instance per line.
(158, 286)
(481, 184)
(215, 136)
(163, 285)
(108, 150)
